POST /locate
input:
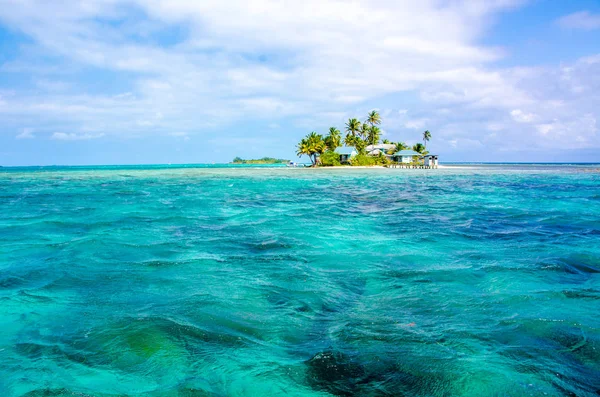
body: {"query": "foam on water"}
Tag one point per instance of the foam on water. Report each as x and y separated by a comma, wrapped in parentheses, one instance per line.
(211, 281)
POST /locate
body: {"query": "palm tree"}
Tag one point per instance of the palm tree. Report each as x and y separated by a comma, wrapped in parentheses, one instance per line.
(350, 140)
(401, 146)
(426, 137)
(374, 135)
(304, 149)
(365, 130)
(334, 139)
(353, 126)
(374, 118)
(386, 142)
(360, 145)
(311, 145)
(419, 147)
(317, 144)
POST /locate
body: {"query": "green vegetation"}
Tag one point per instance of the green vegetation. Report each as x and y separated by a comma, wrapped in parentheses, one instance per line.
(353, 127)
(264, 160)
(312, 146)
(419, 148)
(330, 159)
(334, 139)
(362, 160)
(366, 160)
(359, 135)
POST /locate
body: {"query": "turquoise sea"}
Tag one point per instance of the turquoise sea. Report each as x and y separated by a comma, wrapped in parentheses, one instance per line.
(471, 280)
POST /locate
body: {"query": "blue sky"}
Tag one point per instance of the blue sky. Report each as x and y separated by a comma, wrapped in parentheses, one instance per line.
(177, 81)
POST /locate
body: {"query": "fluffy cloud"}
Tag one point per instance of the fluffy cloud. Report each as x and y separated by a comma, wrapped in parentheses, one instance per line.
(189, 66)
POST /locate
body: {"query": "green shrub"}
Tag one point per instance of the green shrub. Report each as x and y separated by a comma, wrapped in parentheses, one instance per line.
(363, 160)
(382, 160)
(330, 159)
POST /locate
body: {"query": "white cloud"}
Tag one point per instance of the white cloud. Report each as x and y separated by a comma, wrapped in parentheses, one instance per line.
(544, 129)
(521, 117)
(572, 134)
(71, 136)
(242, 60)
(552, 112)
(580, 20)
(26, 134)
(402, 50)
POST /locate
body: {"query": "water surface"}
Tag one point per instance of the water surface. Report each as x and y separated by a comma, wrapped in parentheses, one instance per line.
(210, 281)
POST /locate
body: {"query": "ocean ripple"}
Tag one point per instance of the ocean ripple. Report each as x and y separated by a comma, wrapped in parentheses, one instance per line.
(207, 281)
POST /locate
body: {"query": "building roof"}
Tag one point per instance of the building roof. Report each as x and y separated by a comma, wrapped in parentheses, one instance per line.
(346, 150)
(407, 153)
(381, 146)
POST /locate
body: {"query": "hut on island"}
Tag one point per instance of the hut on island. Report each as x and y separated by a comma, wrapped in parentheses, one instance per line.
(406, 156)
(431, 160)
(346, 153)
(384, 148)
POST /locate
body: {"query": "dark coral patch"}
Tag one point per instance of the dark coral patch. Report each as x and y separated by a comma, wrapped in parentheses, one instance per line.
(336, 373)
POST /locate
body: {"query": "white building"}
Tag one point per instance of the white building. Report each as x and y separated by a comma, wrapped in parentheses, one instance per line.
(431, 160)
(406, 156)
(383, 148)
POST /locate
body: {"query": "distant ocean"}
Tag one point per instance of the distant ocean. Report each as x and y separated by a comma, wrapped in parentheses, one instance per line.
(210, 280)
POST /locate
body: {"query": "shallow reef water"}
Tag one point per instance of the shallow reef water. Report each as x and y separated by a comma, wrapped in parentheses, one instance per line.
(473, 280)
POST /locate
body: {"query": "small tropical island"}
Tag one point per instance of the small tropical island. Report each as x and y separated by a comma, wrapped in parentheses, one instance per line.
(361, 147)
(264, 160)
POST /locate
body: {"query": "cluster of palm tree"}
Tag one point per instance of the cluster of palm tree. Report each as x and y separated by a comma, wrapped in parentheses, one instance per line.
(312, 145)
(364, 134)
(358, 135)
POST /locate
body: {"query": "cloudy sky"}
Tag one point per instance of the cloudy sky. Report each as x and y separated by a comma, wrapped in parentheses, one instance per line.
(182, 81)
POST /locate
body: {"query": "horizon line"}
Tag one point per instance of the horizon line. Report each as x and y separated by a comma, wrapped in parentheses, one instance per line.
(280, 165)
